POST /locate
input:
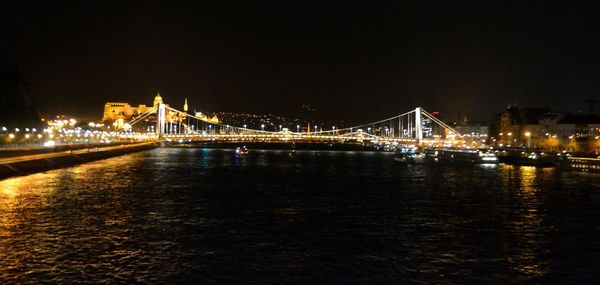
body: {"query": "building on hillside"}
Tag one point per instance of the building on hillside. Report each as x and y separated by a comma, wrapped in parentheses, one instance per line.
(118, 114)
(118, 111)
(211, 119)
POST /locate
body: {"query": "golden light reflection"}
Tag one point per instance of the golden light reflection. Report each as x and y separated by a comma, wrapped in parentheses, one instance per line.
(8, 188)
(528, 228)
(19, 195)
(8, 197)
(528, 174)
(36, 209)
(20, 199)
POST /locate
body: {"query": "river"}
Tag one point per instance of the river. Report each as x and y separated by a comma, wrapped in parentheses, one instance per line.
(187, 215)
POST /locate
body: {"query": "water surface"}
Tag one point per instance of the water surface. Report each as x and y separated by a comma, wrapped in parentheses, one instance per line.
(197, 215)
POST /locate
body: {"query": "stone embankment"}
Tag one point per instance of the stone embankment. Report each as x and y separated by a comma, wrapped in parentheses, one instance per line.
(38, 162)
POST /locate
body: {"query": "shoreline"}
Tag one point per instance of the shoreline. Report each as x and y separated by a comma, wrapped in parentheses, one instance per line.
(34, 163)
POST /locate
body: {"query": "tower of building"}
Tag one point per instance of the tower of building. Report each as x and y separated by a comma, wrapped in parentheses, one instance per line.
(185, 106)
(157, 99)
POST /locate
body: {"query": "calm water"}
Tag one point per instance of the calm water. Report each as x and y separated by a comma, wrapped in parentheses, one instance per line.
(199, 215)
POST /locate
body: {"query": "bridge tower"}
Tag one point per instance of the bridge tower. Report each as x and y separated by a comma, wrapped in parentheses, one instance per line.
(418, 124)
(161, 113)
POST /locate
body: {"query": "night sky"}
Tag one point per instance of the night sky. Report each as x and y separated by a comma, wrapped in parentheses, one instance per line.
(351, 60)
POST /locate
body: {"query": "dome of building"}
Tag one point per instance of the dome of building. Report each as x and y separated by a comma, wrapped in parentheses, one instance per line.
(157, 99)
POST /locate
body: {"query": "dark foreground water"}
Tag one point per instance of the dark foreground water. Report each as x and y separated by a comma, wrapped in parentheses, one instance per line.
(198, 215)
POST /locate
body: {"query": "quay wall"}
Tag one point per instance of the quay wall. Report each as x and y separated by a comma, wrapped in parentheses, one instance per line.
(66, 159)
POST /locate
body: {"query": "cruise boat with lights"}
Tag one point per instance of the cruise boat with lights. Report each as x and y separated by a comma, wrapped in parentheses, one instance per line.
(241, 151)
(408, 155)
(584, 164)
(462, 155)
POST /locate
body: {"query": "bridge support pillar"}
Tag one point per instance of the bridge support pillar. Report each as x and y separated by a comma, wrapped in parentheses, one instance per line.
(418, 124)
(161, 114)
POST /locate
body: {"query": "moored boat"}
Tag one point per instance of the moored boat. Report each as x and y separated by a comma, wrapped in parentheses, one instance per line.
(462, 155)
(584, 164)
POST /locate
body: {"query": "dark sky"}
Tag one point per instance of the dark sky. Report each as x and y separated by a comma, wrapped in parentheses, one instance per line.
(352, 60)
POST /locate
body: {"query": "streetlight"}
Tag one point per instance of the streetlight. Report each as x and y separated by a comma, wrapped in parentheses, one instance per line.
(262, 127)
(280, 128)
(528, 135)
(297, 128)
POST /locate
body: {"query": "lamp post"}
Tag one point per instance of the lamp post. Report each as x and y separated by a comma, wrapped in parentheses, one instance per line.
(297, 128)
(262, 127)
(528, 136)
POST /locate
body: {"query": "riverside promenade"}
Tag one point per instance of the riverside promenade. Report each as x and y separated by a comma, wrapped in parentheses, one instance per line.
(30, 163)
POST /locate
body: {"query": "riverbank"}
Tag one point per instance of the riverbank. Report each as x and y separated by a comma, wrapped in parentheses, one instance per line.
(13, 152)
(32, 163)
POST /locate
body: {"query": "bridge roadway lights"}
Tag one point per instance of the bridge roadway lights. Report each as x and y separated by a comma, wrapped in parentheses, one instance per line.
(418, 113)
(276, 137)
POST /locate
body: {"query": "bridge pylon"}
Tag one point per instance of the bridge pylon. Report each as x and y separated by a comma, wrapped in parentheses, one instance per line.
(418, 124)
(161, 113)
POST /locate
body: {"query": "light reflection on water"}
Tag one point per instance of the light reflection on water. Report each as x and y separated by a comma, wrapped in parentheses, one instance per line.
(173, 215)
(528, 225)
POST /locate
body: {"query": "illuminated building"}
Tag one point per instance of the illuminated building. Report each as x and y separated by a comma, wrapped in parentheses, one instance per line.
(113, 111)
(118, 114)
(214, 119)
(541, 128)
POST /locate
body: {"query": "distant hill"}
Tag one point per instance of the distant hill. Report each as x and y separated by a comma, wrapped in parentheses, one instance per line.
(16, 106)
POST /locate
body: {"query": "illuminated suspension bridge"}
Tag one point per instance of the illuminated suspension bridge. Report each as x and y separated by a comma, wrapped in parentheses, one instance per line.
(413, 127)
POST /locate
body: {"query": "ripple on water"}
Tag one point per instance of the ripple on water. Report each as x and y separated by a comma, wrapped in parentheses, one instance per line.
(196, 215)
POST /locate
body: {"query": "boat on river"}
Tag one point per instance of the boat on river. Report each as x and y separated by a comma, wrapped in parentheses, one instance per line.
(408, 155)
(241, 151)
(583, 164)
(462, 155)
